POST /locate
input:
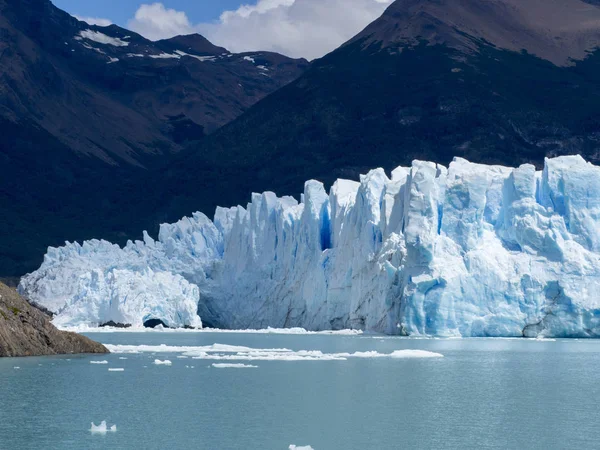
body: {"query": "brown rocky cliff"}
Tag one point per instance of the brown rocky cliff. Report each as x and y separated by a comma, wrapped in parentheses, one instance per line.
(27, 331)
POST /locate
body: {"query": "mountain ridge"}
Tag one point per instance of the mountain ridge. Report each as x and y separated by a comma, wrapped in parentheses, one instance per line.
(86, 109)
(559, 31)
(365, 105)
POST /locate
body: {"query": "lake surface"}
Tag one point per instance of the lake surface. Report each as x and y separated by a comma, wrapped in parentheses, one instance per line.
(482, 394)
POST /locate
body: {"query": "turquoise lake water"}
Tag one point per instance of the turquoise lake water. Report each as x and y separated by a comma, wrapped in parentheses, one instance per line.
(483, 394)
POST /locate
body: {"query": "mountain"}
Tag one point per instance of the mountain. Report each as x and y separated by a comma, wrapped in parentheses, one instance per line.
(126, 97)
(556, 31)
(470, 250)
(84, 108)
(493, 81)
(27, 331)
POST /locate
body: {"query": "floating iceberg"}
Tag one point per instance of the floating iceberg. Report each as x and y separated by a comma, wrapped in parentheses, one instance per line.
(300, 447)
(103, 428)
(166, 362)
(233, 366)
(468, 250)
(415, 354)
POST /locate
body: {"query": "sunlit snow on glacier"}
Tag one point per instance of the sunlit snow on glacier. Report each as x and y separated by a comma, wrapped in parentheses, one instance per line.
(469, 250)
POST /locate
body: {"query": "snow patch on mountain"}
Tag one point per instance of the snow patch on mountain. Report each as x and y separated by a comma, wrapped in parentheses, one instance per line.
(165, 56)
(102, 38)
(469, 250)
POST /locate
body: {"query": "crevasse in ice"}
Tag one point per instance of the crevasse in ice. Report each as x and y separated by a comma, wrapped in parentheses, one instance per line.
(469, 250)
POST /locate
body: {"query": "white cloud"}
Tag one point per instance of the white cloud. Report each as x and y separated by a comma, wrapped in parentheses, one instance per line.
(94, 20)
(297, 28)
(155, 22)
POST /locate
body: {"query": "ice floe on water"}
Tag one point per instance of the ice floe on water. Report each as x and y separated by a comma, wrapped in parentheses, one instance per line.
(224, 348)
(116, 369)
(300, 447)
(233, 366)
(415, 354)
(98, 362)
(166, 362)
(225, 352)
(102, 428)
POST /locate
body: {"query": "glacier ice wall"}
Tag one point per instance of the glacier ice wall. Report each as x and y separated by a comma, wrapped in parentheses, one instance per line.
(469, 250)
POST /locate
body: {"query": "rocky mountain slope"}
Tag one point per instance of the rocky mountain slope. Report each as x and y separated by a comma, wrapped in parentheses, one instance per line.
(109, 92)
(493, 81)
(27, 331)
(559, 31)
(83, 108)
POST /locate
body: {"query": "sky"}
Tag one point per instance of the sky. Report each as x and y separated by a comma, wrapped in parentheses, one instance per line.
(296, 28)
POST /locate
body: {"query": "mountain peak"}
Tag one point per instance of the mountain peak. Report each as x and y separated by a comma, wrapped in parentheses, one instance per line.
(197, 43)
(556, 30)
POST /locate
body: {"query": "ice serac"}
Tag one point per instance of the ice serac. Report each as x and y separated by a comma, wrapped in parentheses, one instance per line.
(468, 250)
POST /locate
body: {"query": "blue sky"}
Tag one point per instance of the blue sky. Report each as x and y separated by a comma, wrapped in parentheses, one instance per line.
(120, 11)
(297, 28)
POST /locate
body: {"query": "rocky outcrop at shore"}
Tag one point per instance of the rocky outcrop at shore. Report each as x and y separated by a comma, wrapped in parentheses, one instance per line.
(27, 331)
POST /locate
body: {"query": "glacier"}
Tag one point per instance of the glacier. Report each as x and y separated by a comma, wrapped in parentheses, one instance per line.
(466, 250)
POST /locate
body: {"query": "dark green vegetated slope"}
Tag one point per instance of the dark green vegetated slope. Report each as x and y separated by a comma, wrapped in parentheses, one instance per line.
(357, 109)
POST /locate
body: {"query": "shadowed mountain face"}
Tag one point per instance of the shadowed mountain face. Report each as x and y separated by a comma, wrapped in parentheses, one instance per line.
(108, 92)
(396, 93)
(556, 30)
(84, 109)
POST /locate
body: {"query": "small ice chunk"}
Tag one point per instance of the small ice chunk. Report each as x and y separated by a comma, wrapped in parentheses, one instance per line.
(166, 362)
(116, 369)
(300, 447)
(16, 367)
(102, 428)
(122, 357)
(98, 362)
(415, 354)
(234, 366)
